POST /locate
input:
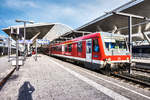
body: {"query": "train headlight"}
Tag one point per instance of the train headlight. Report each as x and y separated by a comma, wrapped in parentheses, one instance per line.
(109, 59)
(127, 58)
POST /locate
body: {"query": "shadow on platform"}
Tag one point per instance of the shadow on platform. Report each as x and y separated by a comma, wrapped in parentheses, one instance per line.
(25, 91)
(13, 77)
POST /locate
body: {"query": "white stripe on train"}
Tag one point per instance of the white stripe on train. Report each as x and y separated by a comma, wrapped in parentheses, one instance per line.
(93, 61)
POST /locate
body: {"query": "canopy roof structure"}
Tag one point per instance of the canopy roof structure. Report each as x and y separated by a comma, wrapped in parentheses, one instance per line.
(70, 35)
(47, 31)
(109, 22)
(114, 23)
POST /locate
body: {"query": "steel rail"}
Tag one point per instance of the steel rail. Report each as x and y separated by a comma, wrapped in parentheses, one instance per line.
(134, 78)
(141, 69)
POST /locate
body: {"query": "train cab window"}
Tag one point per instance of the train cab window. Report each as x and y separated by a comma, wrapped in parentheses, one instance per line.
(95, 45)
(70, 47)
(65, 48)
(60, 48)
(115, 44)
(79, 46)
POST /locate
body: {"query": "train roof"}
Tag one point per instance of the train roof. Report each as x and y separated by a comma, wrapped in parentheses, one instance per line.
(93, 35)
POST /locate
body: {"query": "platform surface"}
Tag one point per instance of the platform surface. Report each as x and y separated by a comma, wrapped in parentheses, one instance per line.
(147, 61)
(142, 63)
(5, 67)
(4, 64)
(52, 79)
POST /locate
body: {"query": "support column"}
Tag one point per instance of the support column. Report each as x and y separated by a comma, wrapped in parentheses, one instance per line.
(10, 44)
(8, 49)
(17, 48)
(24, 40)
(130, 35)
(130, 40)
(36, 50)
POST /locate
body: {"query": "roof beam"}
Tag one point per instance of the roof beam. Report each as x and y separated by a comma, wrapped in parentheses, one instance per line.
(135, 25)
(99, 28)
(64, 38)
(81, 32)
(35, 37)
(131, 15)
(114, 29)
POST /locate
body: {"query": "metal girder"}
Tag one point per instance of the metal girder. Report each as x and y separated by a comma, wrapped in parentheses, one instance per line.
(99, 28)
(146, 37)
(114, 29)
(81, 32)
(64, 38)
(135, 25)
(35, 37)
(132, 15)
(72, 34)
(131, 26)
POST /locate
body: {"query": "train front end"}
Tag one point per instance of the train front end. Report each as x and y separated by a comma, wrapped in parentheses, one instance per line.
(116, 53)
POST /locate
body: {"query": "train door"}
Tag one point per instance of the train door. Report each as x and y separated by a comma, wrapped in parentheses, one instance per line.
(63, 49)
(89, 50)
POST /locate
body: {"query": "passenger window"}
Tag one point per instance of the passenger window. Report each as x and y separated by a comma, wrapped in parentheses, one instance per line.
(79, 45)
(70, 47)
(60, 48)
(54, 48)
(65, 48)
(57, 48)
(95, 45)
(88, 48)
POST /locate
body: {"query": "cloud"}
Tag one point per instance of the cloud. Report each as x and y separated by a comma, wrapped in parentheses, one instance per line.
(19, 4)
(72, 13)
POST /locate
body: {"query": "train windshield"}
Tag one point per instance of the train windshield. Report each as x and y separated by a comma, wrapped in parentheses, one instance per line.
(115, 43)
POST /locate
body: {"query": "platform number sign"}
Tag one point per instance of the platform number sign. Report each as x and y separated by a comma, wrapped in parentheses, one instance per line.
(41, 41)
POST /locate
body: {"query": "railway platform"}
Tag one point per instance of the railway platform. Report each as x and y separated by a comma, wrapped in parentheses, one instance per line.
(5, 67)
(49, 78)
(142, 63)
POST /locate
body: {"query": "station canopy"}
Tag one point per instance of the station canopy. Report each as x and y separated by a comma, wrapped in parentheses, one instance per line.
(114, 23)
(48, 31)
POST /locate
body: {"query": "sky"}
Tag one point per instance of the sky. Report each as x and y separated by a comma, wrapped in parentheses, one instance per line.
(73, 13)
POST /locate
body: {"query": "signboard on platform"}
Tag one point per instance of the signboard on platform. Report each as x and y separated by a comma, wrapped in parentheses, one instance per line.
(20, 62)
(26, 41)
(41, 41)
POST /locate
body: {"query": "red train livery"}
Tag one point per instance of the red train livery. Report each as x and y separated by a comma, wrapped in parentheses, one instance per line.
(98, 50)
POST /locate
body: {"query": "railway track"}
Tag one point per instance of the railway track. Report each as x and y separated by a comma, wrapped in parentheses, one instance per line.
(135, 78)
(142, 80)
(141, 70)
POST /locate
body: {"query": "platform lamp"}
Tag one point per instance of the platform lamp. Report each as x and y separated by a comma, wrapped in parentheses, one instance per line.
(24, 21)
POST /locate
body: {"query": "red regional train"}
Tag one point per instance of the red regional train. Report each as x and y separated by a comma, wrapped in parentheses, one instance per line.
(100, 51)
